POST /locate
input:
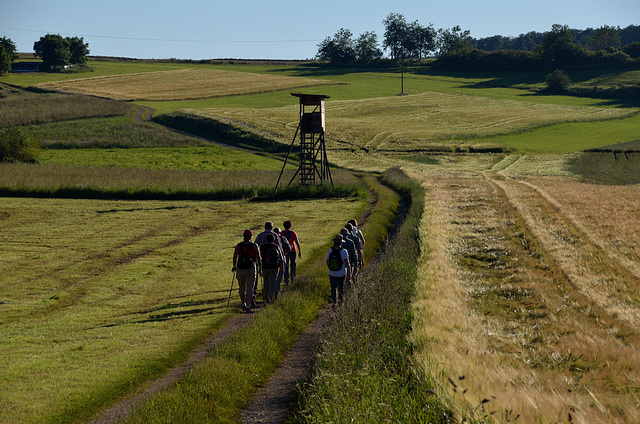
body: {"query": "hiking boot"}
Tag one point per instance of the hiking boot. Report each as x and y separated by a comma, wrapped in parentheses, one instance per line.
(248, 310)
(253, 304)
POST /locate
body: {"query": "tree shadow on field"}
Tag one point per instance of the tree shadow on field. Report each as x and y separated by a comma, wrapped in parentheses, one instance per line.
(320, 70)
(169, 208)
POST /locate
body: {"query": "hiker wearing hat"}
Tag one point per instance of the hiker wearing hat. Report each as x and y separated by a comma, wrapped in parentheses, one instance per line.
(246, 265)
(338, 264)
(354, 236)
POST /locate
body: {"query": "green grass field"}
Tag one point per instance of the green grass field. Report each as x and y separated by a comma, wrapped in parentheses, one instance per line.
(98, 296)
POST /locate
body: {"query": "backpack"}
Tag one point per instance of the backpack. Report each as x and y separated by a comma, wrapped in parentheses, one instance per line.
(271, 256)
(244, 260)
(286, 246)
(335, 260)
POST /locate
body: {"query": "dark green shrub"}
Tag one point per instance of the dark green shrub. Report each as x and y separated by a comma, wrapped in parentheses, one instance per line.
(558, 81)
(633, 50)
(16, 146)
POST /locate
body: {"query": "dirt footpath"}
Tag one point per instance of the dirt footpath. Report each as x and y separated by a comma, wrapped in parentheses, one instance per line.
(270, 404)
(122, 409)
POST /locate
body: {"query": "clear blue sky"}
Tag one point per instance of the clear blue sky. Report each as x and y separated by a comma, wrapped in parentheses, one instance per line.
(279, 29)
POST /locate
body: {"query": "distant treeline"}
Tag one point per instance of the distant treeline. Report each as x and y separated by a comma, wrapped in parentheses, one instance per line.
(531, 40)
(557, 49)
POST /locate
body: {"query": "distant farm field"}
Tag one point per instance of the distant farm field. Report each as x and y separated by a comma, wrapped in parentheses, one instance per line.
(98, 296)
(181, 84)
(418, 122)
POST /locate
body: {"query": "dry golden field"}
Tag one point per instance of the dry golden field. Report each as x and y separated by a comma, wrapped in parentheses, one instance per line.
(415, 122)
(529, 297)
(186, 84)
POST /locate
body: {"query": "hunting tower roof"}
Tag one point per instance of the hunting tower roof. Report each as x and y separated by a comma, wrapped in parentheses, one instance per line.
(310, 99)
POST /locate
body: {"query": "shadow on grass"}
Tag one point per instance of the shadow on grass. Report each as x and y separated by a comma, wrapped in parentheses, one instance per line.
(176, 310)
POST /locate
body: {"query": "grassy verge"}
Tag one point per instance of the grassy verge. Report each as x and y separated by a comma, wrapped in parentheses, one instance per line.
(364, 370)
(217, 389)
(25, 180)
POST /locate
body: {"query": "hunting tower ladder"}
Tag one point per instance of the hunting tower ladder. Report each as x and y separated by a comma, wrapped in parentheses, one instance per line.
(313, 152)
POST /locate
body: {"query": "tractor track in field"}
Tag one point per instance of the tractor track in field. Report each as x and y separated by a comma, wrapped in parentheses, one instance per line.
(122, 409)
(576, 249)
(529, 287)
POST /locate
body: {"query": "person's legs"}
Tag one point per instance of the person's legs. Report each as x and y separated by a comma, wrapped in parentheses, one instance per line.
(241, 276)
(278, 282)
(273, 284)
(292, 264)
(287, 263)
(265, 284)
(269, 277)
(341, 287)
(334, 288)
(249, 286)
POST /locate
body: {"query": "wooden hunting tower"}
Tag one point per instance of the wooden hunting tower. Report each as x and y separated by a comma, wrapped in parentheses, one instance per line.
(313, 152)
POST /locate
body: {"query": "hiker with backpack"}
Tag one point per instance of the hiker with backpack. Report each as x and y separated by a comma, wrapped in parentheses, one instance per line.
(260, 240)
(286, 248)
(350, 247)
(359, 253)
(272, 264)
(360, 236)
(290, 260)
(338, 264)
(246, 265)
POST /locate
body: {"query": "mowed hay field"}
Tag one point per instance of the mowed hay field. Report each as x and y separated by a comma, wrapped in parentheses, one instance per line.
(185, 84)
(416, 122)
(99, 296)
(528, 308)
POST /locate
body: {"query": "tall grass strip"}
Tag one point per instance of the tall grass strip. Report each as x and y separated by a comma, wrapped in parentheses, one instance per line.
(364, 372)
(26, 180)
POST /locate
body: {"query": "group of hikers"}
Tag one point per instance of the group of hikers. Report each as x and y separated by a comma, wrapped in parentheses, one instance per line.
(273, 256)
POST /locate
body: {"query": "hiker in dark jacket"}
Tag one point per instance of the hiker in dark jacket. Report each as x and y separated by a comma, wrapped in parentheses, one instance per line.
(350, 247)
(247, 266)
(290, 262)
(338, 264)
(272, 264)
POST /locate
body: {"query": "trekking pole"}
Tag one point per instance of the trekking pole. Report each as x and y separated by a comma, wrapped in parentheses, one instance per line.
(231, 289)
